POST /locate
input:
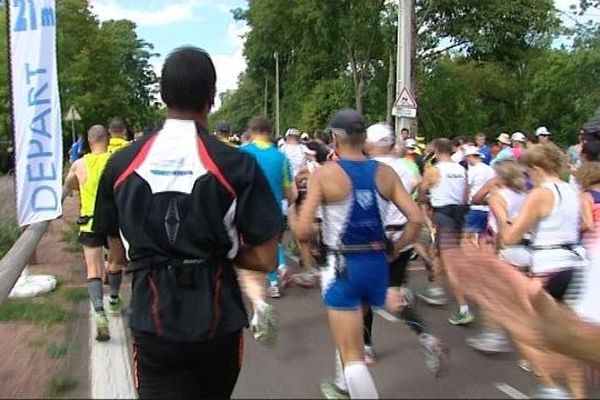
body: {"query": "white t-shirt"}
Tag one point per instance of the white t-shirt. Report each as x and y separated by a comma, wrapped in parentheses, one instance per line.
(477, 176)
(296, 157)
(393, 216)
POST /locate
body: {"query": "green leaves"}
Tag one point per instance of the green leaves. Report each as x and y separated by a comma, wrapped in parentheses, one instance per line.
(103, 69)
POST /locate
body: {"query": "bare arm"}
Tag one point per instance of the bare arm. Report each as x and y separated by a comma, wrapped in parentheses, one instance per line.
(587, 212)
(537, 205)
(480, 196)
(430, 178)
(498, 207)
(301, 219)
(261, 258)
(71, 181)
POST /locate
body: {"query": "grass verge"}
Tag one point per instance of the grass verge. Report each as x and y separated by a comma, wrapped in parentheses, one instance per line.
(70, 236)
(58, 387)
(38, 310)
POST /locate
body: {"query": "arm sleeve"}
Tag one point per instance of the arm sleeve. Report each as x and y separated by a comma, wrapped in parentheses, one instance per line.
(106, 217)
(258, 216)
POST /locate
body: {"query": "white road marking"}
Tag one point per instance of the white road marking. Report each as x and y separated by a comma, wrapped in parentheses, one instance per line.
(510, 391)
(110, 366)
(386, 315)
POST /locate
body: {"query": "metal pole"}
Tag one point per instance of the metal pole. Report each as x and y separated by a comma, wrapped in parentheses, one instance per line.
(266, 95)
(404, 61)
(277, 94)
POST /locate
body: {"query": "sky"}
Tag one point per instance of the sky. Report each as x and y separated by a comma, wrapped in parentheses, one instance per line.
(168, 24)
(209, 24)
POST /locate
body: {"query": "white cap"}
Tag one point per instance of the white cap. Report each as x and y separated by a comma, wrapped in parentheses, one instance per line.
(472, 151)
(410, 143)
(304, 136)
(542, 130)
(292, 132)
(518, 137)
(381, 135)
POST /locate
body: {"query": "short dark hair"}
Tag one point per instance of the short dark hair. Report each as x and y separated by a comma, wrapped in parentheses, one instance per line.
(405, 130)
(260, 124)
(590, 151)
(443, 146)
(458, 141)
(117, 124)
(188, 79)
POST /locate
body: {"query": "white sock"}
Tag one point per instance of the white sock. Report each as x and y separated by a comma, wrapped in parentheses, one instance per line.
(464, 309)
(340, 379)
(360, 382)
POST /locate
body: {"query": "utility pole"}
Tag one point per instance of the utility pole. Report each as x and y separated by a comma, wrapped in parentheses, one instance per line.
(403, 111)
(277, 94)
(266, 95)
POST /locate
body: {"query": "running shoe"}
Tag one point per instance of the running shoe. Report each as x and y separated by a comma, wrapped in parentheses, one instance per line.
(434, 296)
(551, 392)
(305, 279)
(102, 331)
(461, 318)
(525, 365)
(490, 342)
(409, 297)
(435, 353)
(274, 292)
(370, 356)
(115, 306)
(263, 325)
(285, 277)
(331, 391)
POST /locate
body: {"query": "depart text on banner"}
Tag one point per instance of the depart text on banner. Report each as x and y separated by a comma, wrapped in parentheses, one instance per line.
(36, 110)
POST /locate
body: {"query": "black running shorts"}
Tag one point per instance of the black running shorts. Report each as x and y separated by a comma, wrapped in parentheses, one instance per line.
(90, 239)
(196, 370)
(449, 222)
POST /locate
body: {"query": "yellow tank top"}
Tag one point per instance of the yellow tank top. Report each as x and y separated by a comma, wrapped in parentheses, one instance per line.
(115, 144)
(94, 165)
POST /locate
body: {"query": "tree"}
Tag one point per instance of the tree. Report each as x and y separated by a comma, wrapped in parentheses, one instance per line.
(103, 68)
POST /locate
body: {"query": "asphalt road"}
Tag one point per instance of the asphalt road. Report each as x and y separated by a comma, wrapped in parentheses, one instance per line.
(304, 355)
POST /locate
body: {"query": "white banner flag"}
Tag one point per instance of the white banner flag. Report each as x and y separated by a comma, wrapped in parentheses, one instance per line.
(36, 110)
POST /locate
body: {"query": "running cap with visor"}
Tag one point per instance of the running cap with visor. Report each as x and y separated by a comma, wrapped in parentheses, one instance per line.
(503, 138)
(292, 132)
(380, 135)
(348, 122)
(542, 131)
(472, 151)
(518, 137)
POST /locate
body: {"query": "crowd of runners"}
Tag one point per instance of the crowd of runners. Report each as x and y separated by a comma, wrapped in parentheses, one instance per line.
(202, 220)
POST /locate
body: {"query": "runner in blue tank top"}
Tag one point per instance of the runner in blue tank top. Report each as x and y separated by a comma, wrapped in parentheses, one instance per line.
(353, 233)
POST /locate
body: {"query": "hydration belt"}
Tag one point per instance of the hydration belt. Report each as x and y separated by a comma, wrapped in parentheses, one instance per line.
(395, 228)
(566, 246)
(358, 248)
(164, 262)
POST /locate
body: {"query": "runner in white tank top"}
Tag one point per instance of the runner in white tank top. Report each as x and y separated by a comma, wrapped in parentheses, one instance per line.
(552, 214)
(446, 182)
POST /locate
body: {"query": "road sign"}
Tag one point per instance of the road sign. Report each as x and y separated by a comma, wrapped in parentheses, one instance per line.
(72, 115)
(405, 106)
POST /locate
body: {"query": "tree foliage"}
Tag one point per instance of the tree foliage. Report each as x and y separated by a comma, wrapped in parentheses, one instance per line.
(103, 69)
(480, 65)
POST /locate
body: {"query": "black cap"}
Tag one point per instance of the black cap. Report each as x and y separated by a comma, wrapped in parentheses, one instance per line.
(592, 127)
(223, 127)
(350, 121)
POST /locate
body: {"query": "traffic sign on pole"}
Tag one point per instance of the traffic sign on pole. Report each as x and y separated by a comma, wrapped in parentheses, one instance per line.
(72, 115)
(405, 105)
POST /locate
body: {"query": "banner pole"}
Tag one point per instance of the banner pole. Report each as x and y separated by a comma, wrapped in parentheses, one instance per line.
(11, 108)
